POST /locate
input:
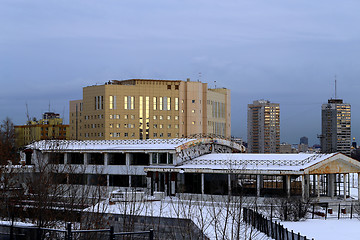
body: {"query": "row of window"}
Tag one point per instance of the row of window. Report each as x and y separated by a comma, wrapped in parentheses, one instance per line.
(113, 158)
(101, 180)
(155, 135)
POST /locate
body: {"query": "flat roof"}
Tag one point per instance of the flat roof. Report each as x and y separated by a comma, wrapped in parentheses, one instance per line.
(108, 145)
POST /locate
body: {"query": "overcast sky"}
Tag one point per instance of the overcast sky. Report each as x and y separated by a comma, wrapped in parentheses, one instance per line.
(284, 51)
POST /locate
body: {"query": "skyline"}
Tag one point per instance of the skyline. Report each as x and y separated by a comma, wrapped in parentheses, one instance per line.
(287, 53)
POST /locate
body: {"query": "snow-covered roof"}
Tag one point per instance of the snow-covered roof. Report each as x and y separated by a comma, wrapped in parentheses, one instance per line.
(176, 144)
(252, 162)
(108, 145)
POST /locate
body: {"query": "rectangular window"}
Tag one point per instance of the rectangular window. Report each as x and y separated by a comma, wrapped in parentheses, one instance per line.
(125, 102)
(132, 102)
(161, 103)
(111, 102)
(176, 104)
(154, 155)
(154, 103)
(168, 103)
(155, 135)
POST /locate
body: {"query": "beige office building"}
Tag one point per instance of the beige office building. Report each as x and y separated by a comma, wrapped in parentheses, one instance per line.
(150, 109)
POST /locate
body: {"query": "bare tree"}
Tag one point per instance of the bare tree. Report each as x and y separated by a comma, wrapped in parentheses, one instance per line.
(8, 149)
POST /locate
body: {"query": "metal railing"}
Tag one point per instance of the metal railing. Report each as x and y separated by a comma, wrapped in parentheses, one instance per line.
(272, 229)
(39, 233)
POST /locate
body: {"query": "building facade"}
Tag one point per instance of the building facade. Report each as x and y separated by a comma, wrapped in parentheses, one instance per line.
(150, 109)
(263, 127)
(336, 127)
(49, 127)
(206, 166)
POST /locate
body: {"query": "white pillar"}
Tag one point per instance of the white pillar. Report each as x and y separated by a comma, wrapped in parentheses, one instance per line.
(127, 159)
(303, 187)
(345, 186)
(86, 159)
(258, 185)
(358, 186)
(318, 186)
(288, 185)
(148, 184)
(331, 184)
(202, 184)
(229, 184)
(65, 158)
(106, 159)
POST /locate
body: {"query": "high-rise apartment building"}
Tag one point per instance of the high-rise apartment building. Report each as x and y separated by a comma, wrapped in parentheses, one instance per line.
(49, 127)
(263, 127)
(150, 109)
(336, 127)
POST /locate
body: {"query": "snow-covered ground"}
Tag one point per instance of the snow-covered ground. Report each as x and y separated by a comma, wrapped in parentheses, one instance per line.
(320, 229)
(218, 220)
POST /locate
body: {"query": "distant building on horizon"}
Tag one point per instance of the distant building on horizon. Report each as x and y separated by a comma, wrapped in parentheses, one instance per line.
(304, 140)
(263, 127)
(49, 127)
(150, 109)
(336, 127)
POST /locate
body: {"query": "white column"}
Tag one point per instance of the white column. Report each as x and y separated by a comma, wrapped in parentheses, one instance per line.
(303, 185)
(229, 184)
(288, 185)
(65, 158)
(331, 184)
(86, 158)
(127, 159)
(258, 185)
(345, 186)
(358, 186)
(318, 186)
(148, 184)
(202, 184)
(106, 159)
(129, 180)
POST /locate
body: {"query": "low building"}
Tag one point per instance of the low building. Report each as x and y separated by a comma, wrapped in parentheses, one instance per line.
(206, 166)
(49, 127)
(121, 163)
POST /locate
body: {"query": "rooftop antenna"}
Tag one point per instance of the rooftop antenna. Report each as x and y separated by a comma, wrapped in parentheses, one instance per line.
(215, 83)
(27, 112)
(199, 79)
(49, 105)
(335, 86)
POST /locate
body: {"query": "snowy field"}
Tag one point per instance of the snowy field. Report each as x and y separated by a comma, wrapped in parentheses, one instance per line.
(319, 229)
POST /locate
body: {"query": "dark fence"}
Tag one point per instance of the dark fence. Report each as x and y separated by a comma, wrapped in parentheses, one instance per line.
(272, 229)
(310, 211)
(10, 232)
